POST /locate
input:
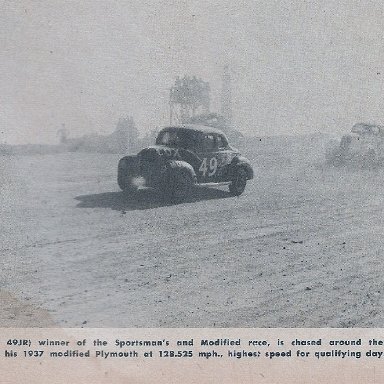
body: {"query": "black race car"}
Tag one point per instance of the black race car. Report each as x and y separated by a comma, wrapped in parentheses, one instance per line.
(182, 157)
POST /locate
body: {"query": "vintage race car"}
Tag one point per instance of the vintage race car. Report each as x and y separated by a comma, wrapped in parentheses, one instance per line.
(365, 145)
(182, 157)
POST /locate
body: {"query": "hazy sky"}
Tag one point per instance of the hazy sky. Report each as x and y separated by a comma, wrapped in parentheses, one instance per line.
(297, 66)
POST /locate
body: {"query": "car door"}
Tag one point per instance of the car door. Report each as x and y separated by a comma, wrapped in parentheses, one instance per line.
(224, 155)
(215, 157)
(207, 169)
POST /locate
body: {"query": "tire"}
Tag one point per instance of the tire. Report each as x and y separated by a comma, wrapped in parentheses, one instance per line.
(176, 185)
(370, 159)
(131, 190)
(126, 185)
(336, 157)
(239, 182)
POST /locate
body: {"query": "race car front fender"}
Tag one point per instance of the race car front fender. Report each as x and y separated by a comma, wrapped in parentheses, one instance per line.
(129, 164)
(240, 161)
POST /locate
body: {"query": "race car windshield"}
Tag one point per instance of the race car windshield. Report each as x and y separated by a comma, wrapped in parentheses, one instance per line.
(366, 129)
(176, 138)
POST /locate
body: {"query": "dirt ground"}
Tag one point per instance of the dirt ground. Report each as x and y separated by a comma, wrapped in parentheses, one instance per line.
(302, 247)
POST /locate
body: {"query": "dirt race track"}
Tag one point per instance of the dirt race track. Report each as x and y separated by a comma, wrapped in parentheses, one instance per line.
(303, 247)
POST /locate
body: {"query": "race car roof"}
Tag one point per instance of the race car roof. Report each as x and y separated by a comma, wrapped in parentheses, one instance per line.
(368, 128)
(196, 127)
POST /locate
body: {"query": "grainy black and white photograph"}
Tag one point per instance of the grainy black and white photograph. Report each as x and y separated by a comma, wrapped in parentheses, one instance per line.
(191, 163)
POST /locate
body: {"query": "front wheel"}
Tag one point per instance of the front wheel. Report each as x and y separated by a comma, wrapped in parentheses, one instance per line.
(126, 184)
(370, 159)
(239, 181)
(177, 185)
(126, 171)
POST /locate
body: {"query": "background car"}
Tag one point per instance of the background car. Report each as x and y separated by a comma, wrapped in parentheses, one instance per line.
(363, 145)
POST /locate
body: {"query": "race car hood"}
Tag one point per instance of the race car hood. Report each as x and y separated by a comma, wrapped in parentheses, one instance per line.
(156, 152)
(152, 152)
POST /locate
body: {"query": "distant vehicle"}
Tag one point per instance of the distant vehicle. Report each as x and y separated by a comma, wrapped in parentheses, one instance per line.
(182, 157)
(365, 145)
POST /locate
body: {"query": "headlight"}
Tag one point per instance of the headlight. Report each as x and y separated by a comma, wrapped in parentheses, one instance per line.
(138, 181)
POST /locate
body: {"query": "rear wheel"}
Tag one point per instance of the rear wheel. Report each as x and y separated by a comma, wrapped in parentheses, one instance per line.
(239, 181)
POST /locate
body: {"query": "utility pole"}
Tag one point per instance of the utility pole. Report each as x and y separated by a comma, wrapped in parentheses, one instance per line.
(226, 97)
